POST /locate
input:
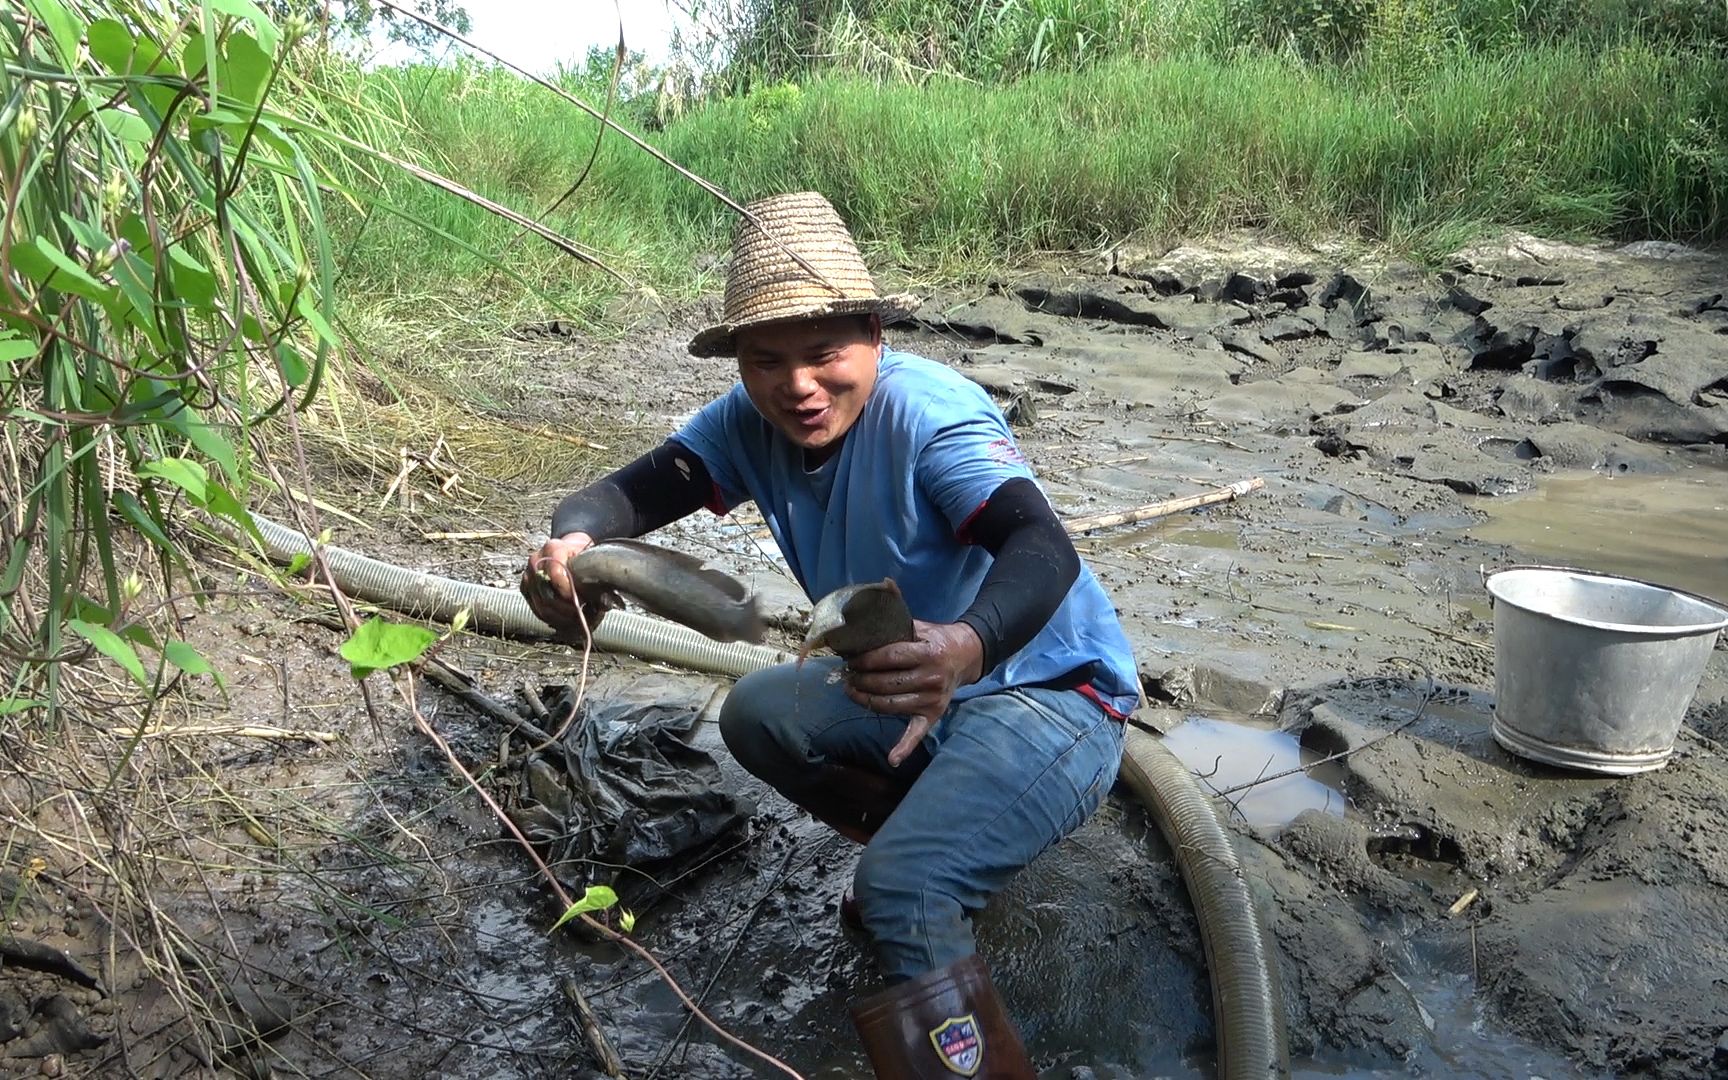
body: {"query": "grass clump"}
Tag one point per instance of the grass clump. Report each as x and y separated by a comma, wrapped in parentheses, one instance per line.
(950, 177)
(766, 41)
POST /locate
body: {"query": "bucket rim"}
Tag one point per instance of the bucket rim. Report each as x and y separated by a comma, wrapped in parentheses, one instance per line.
(1638, 629)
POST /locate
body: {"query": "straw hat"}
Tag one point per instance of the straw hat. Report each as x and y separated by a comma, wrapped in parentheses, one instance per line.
(767, 284)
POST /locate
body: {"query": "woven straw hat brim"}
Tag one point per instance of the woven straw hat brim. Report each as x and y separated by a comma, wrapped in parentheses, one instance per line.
(721, 339)
(794, 259)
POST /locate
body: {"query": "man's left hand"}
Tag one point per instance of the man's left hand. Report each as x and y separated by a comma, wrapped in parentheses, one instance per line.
(916, 678)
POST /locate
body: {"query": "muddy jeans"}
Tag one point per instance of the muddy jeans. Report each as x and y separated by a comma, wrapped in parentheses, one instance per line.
(998, 779)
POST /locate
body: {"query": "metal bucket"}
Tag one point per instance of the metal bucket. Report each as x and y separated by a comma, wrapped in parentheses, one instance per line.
(1594, 671)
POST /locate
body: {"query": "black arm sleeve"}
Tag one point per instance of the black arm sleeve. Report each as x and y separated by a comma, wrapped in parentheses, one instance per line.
(661, 486)
(1035, 566)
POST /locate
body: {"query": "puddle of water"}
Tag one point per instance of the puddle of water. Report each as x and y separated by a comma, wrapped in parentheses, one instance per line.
(1225, 538)
(1241, 749)
(1671, 530)
(1221, 539)
(1466, 1040)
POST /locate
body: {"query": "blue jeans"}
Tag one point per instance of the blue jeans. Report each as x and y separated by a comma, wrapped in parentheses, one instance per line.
(998, 779)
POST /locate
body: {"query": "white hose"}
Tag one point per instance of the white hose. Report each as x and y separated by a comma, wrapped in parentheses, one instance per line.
(422, 595)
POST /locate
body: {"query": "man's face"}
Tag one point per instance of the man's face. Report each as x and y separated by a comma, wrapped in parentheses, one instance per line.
(810, 379)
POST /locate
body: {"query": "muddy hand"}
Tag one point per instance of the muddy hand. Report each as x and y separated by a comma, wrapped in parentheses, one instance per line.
(916, 678)
(546, 582)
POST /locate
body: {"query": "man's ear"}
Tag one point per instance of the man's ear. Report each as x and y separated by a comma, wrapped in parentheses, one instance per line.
(875, 330)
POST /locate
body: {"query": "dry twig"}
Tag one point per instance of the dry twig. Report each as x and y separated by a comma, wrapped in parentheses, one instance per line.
(596, 1036)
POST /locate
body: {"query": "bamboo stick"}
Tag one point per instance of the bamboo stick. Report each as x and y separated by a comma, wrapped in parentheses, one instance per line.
(1228, 493)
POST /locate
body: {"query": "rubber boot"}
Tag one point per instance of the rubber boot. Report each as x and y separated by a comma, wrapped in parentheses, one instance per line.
(939, 1025)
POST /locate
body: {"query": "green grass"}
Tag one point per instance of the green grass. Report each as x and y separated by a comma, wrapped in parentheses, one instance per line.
(992, 40)
(951, 177)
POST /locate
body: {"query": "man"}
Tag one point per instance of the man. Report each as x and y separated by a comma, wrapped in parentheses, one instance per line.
(955, 758)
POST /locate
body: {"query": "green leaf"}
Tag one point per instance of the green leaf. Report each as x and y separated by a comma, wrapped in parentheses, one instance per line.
(248, 70)
(136, 232)
(219, 118)
(595, 899)
(308, 307)
(378, 644)
(133, 511)
(195, 56)
(111, 45)
(193, 282)
(245, 9)
(137, 283)
(222, 501)
(87, 610)
(184, 473)
(214, 447)
(125, 125)
(299, 562)
(63, 24)
(13, 347)
(294, 368)
(270, 134)
(45, 264)
(87, 233)
(11, 705)
(111, 645)
(186, 658)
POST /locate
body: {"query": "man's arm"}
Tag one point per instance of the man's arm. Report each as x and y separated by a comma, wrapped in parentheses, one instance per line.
(658, 488)
(1035, 566)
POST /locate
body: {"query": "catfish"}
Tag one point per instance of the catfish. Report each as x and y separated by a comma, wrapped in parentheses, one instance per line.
(669, 584)
(855, 619)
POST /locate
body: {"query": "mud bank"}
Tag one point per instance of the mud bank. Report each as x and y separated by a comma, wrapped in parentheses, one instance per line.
(1411, 429)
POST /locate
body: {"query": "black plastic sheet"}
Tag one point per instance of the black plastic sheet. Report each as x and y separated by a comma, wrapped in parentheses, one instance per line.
(624, 790)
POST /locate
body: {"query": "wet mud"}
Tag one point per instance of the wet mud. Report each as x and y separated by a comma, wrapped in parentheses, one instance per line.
(1441, 907)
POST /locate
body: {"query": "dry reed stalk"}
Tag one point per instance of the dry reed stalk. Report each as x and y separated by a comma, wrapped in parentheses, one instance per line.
(1166, 508)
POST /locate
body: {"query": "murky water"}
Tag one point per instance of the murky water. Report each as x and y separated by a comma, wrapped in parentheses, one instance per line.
(1178, 530)
(1467, 1041)
(1670, 530)
(1236, 749)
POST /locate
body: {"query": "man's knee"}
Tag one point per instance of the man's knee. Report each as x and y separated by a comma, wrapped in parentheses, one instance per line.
(752, 721)
(895, 887)
(741, 726)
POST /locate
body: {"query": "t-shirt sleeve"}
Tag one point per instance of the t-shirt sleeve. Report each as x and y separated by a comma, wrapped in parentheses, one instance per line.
(967, 453)
(714, 434)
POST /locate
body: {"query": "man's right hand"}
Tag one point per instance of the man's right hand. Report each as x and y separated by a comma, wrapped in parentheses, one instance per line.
(547, 587)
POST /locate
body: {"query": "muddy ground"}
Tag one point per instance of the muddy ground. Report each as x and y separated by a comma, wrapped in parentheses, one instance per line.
(1531, 402)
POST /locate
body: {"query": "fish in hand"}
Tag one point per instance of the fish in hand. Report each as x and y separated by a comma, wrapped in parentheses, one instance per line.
(669, 584)
(855, 619)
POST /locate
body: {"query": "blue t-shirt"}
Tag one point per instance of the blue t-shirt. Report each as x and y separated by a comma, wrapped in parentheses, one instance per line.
(926, 452)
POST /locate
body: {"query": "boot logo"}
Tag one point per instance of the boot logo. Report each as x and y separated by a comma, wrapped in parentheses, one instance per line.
(959, 1044)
